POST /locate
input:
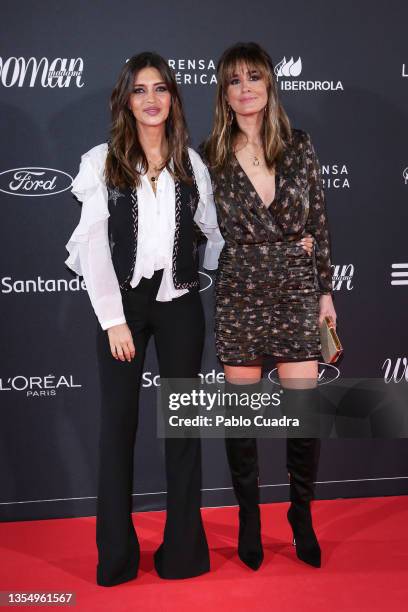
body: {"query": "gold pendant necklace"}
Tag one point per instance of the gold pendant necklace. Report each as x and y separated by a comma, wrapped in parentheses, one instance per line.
(255, 158)
(154, 179)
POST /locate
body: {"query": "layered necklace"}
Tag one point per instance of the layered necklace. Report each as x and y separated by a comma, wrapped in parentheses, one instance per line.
(156, 168)
(256, 161)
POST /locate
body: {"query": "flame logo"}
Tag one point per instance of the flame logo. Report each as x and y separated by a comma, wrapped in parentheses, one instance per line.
(288, 68)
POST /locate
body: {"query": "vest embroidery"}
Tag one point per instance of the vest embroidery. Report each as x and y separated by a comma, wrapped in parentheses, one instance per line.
(126, 283)
(192, 204)
(184, 201)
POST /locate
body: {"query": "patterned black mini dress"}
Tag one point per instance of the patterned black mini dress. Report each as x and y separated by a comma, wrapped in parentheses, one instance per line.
(267, 287)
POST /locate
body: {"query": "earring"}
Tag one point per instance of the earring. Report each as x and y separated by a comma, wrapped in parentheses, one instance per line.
(230, 117)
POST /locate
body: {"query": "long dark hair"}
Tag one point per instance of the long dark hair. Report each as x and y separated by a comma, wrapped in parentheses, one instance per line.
(126, 159)
(276, 126)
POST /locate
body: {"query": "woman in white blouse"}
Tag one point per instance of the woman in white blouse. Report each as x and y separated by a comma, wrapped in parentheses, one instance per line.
(143, 195)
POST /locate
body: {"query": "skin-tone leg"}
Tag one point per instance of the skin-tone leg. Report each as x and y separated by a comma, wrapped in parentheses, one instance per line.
(299, 371)
(243, 375)
(299, 375)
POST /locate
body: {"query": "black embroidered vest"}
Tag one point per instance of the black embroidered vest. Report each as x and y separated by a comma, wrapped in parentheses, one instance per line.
(123, 228)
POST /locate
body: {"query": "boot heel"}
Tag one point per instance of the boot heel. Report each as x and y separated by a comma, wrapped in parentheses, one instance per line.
(305, 540)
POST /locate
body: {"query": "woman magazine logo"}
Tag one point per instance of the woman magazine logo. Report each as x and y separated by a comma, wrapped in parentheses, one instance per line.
(30, 72)
(395, 371)
(34, 181)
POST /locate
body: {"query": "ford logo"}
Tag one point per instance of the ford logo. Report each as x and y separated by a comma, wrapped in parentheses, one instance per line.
(34, 181)
(207, 281)
(327, 374)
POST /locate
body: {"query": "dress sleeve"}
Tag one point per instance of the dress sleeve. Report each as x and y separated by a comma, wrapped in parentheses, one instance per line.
(317, 222)
(88, 246)
(206, 214)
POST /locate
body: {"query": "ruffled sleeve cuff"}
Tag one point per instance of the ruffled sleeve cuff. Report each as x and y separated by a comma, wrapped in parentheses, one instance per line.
(107, 324)
(206, 213)
(89, 188)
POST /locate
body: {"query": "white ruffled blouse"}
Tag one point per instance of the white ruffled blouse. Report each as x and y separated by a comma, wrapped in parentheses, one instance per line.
(88, 246)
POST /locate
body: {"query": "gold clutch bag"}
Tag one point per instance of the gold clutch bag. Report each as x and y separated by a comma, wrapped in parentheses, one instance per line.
(331, 345)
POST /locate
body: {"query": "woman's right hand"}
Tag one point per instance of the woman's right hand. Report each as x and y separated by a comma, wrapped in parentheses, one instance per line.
(121, 342)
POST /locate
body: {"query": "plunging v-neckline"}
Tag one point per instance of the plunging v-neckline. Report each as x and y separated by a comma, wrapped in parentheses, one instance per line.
(267, 207)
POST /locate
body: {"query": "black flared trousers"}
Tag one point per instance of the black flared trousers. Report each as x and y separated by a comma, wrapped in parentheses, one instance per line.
(178, 330)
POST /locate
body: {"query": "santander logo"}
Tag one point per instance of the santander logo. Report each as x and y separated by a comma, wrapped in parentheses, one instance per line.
(34, 181)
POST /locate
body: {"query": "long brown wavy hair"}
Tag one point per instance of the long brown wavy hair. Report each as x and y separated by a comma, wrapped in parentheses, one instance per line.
(276, 129)
(126, 160)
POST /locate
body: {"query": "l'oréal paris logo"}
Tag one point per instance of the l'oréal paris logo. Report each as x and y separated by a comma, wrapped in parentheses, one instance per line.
(34, 181)
(38, 386)
(327, 374)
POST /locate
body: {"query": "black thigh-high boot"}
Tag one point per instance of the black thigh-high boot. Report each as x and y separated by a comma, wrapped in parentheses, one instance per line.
(302, 463)
(243, 462)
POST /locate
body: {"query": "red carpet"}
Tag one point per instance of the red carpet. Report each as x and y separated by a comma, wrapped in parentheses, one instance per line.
(365, 562)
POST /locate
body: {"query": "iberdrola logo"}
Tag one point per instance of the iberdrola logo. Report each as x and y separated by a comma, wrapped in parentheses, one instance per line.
(288, 68)
(287, 72)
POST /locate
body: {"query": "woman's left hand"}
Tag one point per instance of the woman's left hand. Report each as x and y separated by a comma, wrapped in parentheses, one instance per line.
(307, 243)
(327, 309)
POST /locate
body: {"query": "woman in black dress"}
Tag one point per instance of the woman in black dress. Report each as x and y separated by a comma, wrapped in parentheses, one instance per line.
(270, 294)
